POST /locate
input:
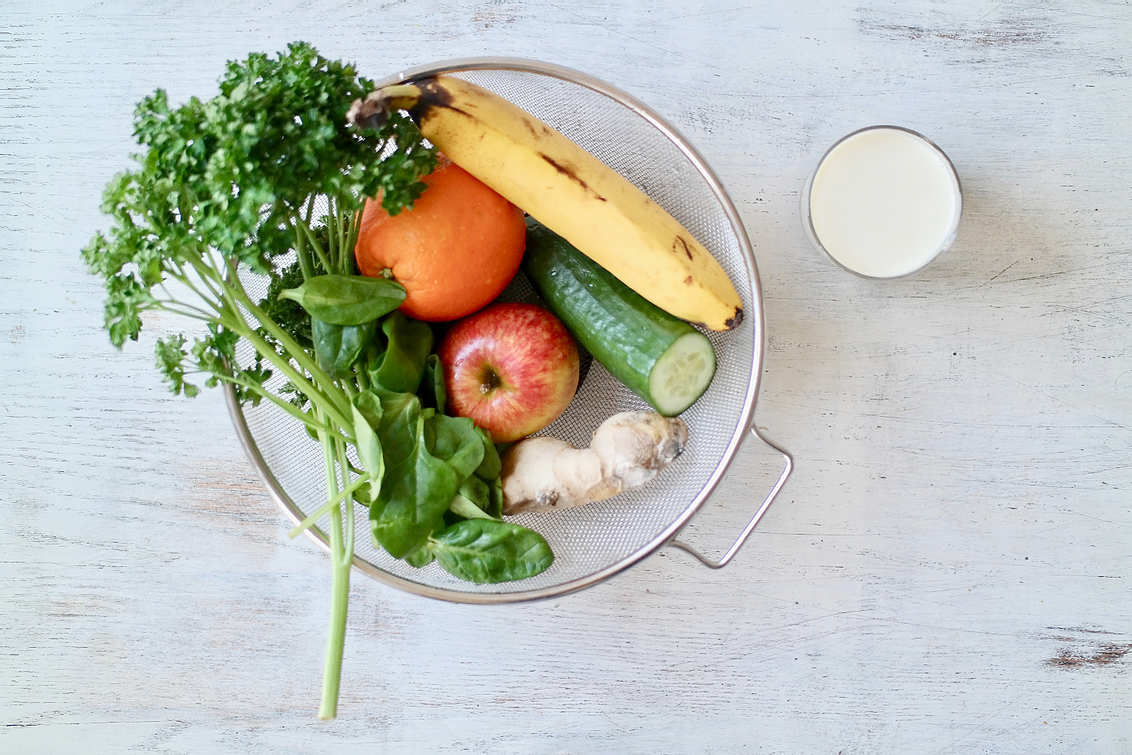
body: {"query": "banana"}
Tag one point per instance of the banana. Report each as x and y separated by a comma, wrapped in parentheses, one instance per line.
(569, 191)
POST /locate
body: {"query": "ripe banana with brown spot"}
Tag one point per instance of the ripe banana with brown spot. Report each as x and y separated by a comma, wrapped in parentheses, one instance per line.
(568, 190)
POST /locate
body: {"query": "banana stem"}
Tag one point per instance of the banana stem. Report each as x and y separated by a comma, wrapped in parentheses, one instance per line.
(400, 95)
(375, 108)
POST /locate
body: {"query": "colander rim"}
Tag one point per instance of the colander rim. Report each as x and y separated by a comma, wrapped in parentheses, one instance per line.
(752, 310)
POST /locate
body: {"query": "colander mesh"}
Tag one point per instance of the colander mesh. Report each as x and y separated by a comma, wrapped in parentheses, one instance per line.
(596, 537)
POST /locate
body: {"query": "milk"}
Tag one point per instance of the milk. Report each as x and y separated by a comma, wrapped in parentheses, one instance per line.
(883, 202)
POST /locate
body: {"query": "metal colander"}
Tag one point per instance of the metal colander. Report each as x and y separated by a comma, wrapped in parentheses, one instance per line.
(595, 541)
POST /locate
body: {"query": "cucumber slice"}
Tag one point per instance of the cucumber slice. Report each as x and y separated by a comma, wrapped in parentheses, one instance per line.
(661, 358)
(681, 374)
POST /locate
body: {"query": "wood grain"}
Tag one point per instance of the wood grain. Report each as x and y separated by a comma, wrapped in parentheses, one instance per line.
(946, 572)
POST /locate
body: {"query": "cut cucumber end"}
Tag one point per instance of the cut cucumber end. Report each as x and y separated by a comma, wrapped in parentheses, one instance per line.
(682, 373)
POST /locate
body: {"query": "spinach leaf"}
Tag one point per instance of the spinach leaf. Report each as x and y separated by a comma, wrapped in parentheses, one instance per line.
(397, 426)
(416, 492)
(464, 507)
(425, 470)
(491, 466)
(347, 299)
(456, 441)
(424, 555)
(369, 404)
(402, 365)
(369, 451)
(421, 557)
(477, 499)
(495, 498)
(477, 492)
(486, 551)
(337, 347)
(431, 390)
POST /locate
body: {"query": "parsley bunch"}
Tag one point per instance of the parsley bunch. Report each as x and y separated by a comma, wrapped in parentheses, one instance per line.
(266, 168)
(236, 180)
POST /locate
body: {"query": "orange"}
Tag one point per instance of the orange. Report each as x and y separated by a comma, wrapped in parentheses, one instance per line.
(454, 250)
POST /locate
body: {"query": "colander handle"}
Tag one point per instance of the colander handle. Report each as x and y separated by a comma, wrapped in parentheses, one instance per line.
(723, 561)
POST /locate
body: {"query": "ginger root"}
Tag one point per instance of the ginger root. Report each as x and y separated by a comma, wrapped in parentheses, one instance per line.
(627, 450)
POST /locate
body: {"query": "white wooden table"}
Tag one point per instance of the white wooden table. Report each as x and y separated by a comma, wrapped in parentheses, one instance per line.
(948, 571)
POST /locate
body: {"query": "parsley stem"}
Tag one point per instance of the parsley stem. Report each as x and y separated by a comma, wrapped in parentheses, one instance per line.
(306, 265)
(323, 399)
(312, 424)
(348, 544)
(325, 508)
(173, 307)
(346, 224)
(206, 276)
(314, 245)
(333, 253)
(352, 236)
(185, 309)
(328, 399)
(336, 643)
(337, 405)
(339, 580)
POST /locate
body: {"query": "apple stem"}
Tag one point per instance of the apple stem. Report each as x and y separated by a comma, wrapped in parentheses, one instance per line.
(489, 380)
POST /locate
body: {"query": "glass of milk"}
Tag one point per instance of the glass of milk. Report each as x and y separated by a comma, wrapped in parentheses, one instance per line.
(883, 202)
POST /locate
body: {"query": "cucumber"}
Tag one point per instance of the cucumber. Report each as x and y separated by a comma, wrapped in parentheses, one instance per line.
(661, 358)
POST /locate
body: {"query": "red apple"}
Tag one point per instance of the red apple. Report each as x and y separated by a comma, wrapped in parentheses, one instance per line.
(512, 368)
